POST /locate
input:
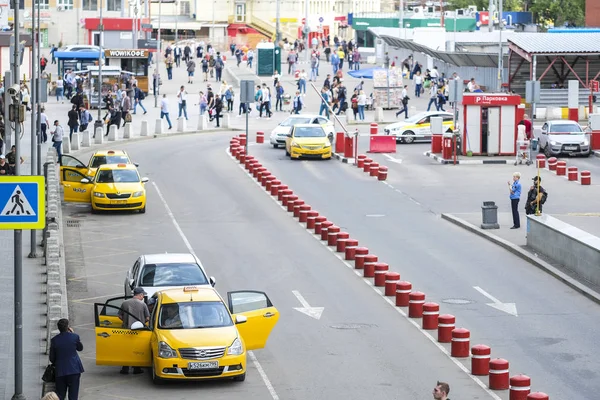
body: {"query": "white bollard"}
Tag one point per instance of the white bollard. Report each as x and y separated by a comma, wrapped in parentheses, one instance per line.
(113, 133)
(144, 128)
(85, 139)
(226, 121)
(202, 123)
(378, 114)
(99, 136)
(75, 144)
(158, 128)
(127, 131)
(66, 145)
(181, 124)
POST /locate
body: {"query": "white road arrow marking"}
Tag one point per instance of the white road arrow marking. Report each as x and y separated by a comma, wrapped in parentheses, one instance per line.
(509, 308)
(392, 159)
(314, 312)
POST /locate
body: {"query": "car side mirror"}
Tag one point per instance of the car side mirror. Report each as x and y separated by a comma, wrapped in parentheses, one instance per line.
(85, 180)
(137, 325)
(136, 164)
(239, 319)
(144, 180)
(212, 281)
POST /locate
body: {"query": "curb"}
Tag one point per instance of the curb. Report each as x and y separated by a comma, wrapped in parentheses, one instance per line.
(465, 162)
(343, 159)
(596, 153)
(527, 256)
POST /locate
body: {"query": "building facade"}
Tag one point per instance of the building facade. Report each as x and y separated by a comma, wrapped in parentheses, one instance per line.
(592, 13)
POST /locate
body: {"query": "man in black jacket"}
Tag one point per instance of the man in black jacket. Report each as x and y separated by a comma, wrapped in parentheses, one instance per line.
(536, 193)
(67, 364)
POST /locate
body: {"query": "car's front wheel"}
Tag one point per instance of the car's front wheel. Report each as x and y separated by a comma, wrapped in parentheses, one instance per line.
(240, 378)
(143, 210)
(547, 152)
(155, 378)
(408, 137)
(275, 146)
(287, 153)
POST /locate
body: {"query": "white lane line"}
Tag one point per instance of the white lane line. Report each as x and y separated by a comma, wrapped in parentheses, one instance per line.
(253, 358)
(460, 365)
(375, 215)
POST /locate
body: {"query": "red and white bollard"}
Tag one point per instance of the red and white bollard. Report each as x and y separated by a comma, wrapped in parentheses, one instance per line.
(276, 186)
(415, 304)
(374, 128)
(374, 169)
(324, 226)
(461, 339)
(267, 181)
(552, 162)
(259, 169)
(561, 168)
(431, 312)
(242, 157)
(446, 324)
(540, 160)
(242, 139)
(586, 178)
(403, 289)
(391, 279)
(350, 252)
(340, 244)
(520, 387)
(380, 270)
(360, 161)
(359, 257)
(538, 396)
(382, 174)
(311, 219)
(318, 222)
(292, 204)
(298, 207)
(261, 174)
(499, 374)
(367, 165)
(260, 137)
(368, 266)
(289, 199)
(572, 174)
(284, 192)
(480, 359)
(332, 233)
(304, 209)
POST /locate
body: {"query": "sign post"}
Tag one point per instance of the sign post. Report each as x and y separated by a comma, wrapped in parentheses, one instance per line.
(247, 97)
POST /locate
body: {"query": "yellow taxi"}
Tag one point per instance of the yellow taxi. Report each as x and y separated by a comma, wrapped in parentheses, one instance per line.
(114, 187)
(97, 159)
(418, 127)
(308, 141)
(193, 334)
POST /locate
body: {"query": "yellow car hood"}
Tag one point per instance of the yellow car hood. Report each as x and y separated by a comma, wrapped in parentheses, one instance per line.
(314, 141)
(119, 187)
(207, 337)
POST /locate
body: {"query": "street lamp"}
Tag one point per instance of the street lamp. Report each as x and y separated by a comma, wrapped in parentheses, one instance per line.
(99, 123)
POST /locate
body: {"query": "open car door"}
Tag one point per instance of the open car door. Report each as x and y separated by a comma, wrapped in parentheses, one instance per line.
(74, 189)
(69, 162)
(260, 313)
(109, 314)
(116, 345)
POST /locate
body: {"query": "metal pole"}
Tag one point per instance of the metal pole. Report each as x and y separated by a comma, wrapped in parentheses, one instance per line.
(490, 16)
(158, 54)
(8, 75)
(306, 30)
(177, 19)
(212, 28)
(147, 15)
(18, 233)
(38, 128)
(247, 134)
(99, 123)
(401, 18)
(534, 68)
(123, 8)
(35, 56)
(278, 22)
(133, 26)
(500, 57)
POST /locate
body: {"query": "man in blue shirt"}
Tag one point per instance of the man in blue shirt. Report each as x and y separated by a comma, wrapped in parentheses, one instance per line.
(515, 196)
(324, 101)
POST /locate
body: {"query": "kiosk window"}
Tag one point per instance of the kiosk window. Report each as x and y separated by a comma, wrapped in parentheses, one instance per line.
(137, 66)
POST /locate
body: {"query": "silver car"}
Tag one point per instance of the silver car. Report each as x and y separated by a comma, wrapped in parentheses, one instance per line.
(155, 272)
(564, 137)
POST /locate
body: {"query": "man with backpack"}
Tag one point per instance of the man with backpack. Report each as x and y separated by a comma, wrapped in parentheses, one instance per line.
(219, 64)
(342, 98)
(138, 96)
(204, 64)
(537, 195)
(85, 118)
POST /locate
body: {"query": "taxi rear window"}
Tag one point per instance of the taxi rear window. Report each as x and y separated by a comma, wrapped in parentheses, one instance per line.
(101, 160)
(172, 274)
(194, 315)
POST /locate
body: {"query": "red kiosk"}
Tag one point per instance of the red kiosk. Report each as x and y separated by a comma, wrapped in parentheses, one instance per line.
(489, 123)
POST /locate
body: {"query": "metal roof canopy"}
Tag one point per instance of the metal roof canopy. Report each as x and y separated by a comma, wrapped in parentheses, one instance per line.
(555, 43)
(462, 59)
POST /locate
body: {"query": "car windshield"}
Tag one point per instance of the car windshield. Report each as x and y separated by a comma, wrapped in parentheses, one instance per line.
(101, 160)
(416, 118)
(206, 314)
(117, 176)
(565, 128)
(306, 131)
(295, 121)
(175, 274)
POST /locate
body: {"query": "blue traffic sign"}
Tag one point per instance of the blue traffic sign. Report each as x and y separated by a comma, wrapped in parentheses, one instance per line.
(22, 202)
(321, 19)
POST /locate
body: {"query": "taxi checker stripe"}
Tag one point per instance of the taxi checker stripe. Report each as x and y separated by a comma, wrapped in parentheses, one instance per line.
(123, 332)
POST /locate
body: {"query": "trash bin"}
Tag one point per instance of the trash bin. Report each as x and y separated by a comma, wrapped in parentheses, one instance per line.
(489, 215)
(534, 144)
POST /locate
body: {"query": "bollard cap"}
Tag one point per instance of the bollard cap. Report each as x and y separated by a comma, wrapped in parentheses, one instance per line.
(362, 157)
(326, 224)
(461, 333)
(371, 258)
(520, 380)
(447, 319)
(351, 242)
(392, 276)
(430, 306)
(498, 363)
(343, 235)
(538, 396)
(381, 266)
(481, 350)
(383, 168)
(320, 219)
(404, 285)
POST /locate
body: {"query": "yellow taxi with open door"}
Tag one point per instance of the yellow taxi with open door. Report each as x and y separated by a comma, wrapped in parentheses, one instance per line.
(193, 333)
(97, 159)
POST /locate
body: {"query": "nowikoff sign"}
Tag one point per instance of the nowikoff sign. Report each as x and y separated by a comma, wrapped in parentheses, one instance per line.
(125, 53)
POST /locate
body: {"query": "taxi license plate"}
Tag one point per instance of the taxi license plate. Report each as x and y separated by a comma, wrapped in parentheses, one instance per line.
(118, 202)
(203, 365)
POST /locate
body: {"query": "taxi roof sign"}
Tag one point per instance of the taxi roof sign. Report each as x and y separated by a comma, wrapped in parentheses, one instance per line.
(121, 165)
(190, 289)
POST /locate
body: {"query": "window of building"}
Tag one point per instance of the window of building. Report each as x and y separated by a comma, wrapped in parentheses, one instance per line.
(240, 12)
(65, 4)
(89, 5)
(43, 4)
(113, 5)
(184, 8)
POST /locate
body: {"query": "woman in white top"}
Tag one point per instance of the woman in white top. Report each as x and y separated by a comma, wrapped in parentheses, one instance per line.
(276, 78)
(60, 89)
(182, 101)
(362, 101)
(418, 84)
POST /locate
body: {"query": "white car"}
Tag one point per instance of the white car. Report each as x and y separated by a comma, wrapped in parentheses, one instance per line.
(279, 134)
(417, 127)
(154, 272)
(564, 137)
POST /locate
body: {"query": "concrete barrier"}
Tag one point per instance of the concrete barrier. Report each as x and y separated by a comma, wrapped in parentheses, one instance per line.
(158, 128)
(203, 123)
(144, 128)
(181, 124)
(127, 134)
(378, 114)
(226, 121)
(86, 140)
(66, 145)
(99, 136)
(113, 133)
(76, 143)
(575, 249)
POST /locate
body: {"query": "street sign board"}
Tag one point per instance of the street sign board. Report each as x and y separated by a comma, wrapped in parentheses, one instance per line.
(146, 26)
(247, 91)
(595, 86)
(321, 19)
(532, 91)
(22, 202)
(455, 91)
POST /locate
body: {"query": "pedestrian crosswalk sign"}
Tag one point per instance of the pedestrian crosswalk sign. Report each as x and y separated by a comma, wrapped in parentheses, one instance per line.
(22, 202)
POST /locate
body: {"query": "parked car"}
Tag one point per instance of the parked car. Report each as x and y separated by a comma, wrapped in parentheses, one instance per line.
(279, 134)
(564, 137)
(417, 127)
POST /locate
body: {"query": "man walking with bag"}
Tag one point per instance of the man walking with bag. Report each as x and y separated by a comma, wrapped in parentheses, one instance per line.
(66, 361)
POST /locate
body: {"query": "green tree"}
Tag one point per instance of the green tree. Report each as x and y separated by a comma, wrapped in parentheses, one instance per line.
(559, 11)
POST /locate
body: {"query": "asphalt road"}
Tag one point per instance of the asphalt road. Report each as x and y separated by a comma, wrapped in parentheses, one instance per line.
(361, 347)
(550, 339)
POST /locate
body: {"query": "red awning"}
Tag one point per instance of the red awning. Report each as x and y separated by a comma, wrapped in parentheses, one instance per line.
(340, 18)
